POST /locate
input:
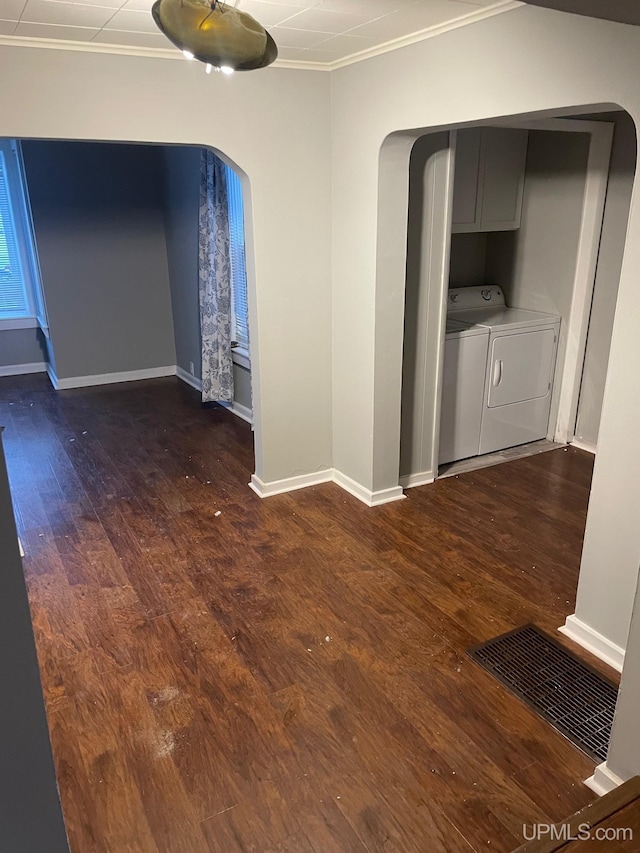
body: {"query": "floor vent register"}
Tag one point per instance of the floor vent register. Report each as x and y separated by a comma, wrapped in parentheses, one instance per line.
(576, 699)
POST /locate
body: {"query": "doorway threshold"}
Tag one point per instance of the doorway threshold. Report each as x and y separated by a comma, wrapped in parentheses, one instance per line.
(462, 466)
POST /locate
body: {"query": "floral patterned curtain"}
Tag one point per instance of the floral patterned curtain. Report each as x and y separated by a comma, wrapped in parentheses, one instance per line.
(214, 277)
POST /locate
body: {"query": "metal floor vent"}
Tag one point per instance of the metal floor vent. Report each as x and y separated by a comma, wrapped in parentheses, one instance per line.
(559, 687)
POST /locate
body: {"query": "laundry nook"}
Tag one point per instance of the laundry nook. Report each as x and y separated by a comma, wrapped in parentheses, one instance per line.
(504, 225)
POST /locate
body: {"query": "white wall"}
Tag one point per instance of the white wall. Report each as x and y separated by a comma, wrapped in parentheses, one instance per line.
(274, 124)
(429, 227)
(623, 758)
(605, 294)
(524, 62)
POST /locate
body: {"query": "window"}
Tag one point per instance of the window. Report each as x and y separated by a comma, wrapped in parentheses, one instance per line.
(238, 259)
(14, 302)
(20, 302)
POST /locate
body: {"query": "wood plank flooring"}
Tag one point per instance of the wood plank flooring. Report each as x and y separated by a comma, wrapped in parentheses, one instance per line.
(230, 675)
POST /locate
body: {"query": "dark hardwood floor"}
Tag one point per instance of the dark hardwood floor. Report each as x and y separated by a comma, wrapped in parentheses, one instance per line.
(224, 674)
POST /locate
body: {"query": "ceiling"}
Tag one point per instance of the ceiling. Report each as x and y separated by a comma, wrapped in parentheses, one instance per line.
(313, 31)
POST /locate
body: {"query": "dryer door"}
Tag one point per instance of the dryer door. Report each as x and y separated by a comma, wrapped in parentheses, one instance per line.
(520, 367)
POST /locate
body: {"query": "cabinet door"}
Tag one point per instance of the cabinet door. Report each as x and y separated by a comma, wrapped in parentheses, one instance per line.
(520, 367)
(466, 207)
(503, 160)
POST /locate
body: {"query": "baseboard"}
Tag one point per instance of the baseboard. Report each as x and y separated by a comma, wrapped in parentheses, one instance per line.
(365, 495)
(289, 484)
(23, 369)
(603, 780)
(424, 478)
(593, 642)
(584, 445)
(52, 376)
(189, 378)
(110, 378)
(133, 376)
(240, 411)
(327, 475)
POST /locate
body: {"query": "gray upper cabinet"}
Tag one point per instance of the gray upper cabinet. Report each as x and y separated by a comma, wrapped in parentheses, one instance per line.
(489, 179)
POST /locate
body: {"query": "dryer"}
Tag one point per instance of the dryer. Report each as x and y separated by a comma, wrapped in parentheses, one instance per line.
(519, 369)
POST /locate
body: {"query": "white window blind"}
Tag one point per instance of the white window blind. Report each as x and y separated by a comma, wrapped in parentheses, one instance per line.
(237, 252)
(14, 301)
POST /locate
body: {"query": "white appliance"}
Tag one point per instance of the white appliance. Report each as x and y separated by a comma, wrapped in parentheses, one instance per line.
(465, 359)
(519, 369)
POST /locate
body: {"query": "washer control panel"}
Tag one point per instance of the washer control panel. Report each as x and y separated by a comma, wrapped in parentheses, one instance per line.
(477, 296)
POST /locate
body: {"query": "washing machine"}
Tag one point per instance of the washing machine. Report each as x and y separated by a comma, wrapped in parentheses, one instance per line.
(465, 358)
(520, 365)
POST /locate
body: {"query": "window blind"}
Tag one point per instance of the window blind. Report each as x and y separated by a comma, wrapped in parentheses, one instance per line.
(237, 253)
(13, 295)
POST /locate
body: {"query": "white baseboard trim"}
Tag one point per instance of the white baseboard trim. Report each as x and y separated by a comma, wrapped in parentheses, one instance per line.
(423, 478)
(189, 378)
(383, 496)
(240, 411)
(593, 641)
(289, 484)
(132, 376)
(23, 369)
(110, 378)
(327, 475)
(584, 445)
(236, 408)
(603, 780)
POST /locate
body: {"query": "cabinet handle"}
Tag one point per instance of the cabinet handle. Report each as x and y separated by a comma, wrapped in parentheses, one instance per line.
(497, 372)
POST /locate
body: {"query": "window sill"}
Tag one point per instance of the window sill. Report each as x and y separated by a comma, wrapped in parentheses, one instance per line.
(240, 356)
(18, 323)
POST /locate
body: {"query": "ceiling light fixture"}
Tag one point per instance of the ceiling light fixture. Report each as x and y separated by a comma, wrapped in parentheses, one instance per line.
(215, 33)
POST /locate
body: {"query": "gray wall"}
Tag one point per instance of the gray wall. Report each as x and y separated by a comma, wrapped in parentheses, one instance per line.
(22, 346)
(536, 264)
(242, 386)
(30, 813)
(605, 294)
(468, 259)
(182, 197)
(99, 225)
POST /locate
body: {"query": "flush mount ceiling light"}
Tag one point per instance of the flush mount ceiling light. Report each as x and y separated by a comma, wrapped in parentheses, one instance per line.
(215, 33)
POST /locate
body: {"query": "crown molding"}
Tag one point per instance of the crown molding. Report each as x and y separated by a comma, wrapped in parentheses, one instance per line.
(430, 32)
(93, 47)
(174, 54)
(131, 50)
